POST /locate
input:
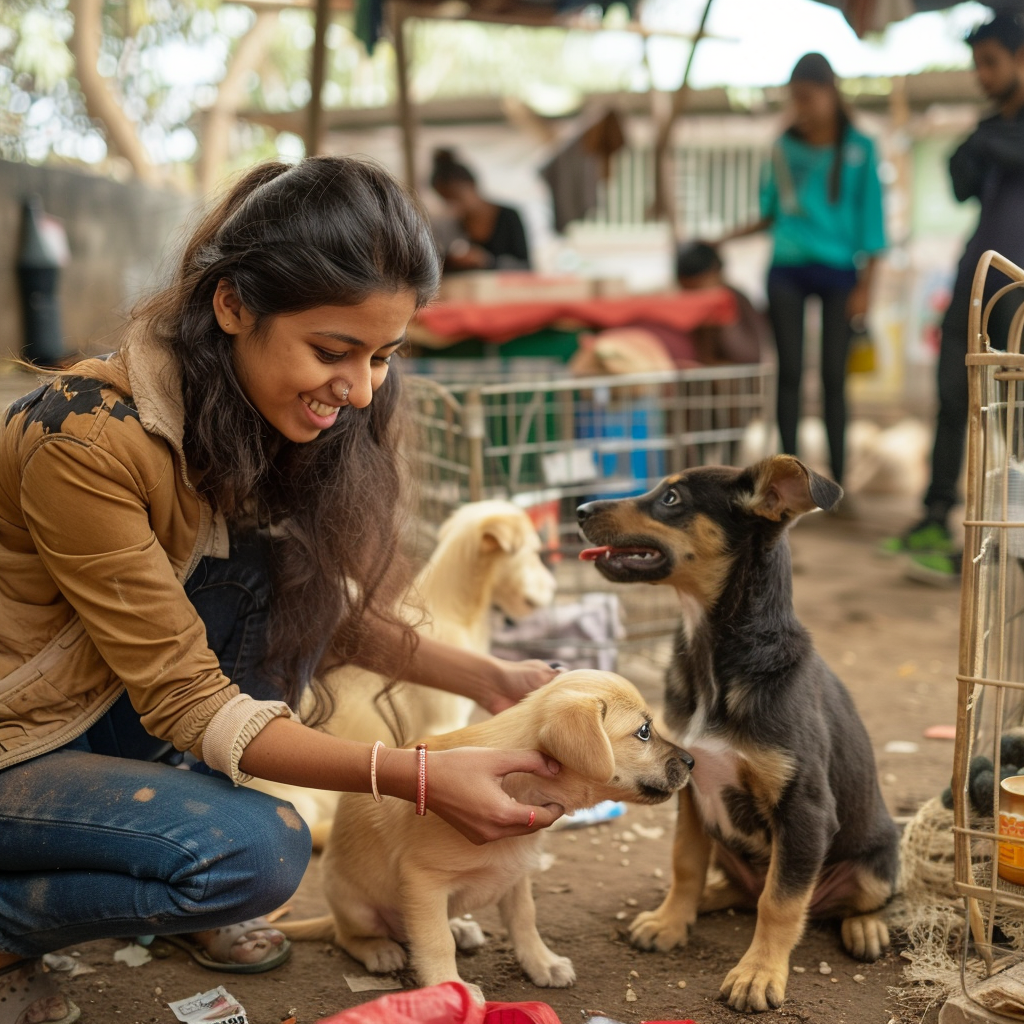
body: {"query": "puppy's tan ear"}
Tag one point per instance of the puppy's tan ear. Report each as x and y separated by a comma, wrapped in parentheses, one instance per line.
(502, 534)
(784, 488)
(573, 733)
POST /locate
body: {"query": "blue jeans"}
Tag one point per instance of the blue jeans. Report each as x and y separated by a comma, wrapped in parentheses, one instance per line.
(105, 838)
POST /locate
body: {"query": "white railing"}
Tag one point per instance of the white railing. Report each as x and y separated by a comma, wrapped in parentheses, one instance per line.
(715, 188)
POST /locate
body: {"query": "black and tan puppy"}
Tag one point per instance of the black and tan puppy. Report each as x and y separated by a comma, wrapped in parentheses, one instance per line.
(783, 801)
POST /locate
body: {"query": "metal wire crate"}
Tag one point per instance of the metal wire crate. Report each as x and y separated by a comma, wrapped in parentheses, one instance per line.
(554, 441)
(991, 669)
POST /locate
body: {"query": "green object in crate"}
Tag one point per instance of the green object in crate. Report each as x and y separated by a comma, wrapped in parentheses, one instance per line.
(548, 344)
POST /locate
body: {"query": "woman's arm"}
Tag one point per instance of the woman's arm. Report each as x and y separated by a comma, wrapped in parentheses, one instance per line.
(751, 229)
(872, 241)
(463, 785)
(493, 683)
(859, 299)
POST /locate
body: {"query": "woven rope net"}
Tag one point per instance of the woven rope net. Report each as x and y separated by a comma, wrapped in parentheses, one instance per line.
(930, 915)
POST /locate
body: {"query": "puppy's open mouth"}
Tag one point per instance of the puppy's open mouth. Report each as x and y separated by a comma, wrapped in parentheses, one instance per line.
(627, 561)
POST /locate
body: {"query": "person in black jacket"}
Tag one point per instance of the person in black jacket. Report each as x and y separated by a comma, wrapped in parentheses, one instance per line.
(493, 236)
(990, 167)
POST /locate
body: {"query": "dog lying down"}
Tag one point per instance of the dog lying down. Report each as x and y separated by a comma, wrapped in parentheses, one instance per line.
(393, 878)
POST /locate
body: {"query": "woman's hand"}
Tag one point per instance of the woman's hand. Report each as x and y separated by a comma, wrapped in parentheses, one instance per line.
(513, 680)
(493, 683)
(464, 788)
(857, 302)
(465, 255)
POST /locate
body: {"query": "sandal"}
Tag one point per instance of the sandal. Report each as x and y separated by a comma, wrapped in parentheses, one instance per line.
(215, 949)
(28, 995)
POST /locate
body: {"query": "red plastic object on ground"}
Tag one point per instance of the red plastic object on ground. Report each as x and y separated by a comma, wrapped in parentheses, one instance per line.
(519, 1013)
(450, 1003)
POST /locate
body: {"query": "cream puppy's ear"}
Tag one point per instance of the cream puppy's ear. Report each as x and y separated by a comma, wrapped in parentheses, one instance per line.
(573, 733)
(501, 534)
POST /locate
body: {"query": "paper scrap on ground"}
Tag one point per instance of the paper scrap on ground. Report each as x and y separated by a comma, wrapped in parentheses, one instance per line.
(213, 1007)
(133, 955)
(66, 965)
(369, 983)
(654, 832)
(900, 747)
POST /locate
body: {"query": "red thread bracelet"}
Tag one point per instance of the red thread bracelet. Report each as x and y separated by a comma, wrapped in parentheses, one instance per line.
(421, 794)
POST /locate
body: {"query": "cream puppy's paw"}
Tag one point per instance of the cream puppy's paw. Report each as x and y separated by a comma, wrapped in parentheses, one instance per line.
(550, 971)
(381, 956)
(467, 933)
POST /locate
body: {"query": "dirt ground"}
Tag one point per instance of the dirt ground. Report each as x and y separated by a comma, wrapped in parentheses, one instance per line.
(895, 645)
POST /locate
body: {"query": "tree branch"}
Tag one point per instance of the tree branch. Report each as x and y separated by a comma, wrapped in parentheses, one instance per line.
(99, 100)
(219, 119)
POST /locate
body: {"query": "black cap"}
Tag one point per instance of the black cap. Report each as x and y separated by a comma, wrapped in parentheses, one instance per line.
(813, 67)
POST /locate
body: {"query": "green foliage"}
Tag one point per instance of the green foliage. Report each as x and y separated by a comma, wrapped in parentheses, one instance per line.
(163, 60)
(40, 109)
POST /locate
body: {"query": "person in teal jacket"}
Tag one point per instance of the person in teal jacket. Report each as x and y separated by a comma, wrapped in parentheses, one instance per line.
(822, 201)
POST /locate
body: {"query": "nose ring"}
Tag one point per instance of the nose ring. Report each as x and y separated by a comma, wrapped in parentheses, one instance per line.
(343, 394)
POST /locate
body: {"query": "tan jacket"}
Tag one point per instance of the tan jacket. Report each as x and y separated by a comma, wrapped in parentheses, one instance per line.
(99, 528)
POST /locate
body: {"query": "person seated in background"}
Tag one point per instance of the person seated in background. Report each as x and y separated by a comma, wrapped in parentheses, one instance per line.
(492, 237)
(699, 266)
(649, 345)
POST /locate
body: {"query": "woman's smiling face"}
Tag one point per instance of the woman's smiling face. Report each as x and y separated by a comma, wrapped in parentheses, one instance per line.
(303, 368)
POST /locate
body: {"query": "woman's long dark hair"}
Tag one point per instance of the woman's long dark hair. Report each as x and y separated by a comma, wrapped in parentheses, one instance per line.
(814, 68)
(328, 231)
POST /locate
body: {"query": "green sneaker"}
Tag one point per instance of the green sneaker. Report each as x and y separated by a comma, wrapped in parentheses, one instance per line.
(935, 568)
(926, 538)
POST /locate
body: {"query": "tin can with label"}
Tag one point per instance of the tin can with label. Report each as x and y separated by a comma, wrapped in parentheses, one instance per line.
(1011, 823)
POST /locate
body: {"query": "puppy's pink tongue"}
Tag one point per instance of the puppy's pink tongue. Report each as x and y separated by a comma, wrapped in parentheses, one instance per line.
(593, 554)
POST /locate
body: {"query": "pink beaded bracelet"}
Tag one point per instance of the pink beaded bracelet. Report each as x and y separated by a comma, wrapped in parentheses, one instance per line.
(373, 771)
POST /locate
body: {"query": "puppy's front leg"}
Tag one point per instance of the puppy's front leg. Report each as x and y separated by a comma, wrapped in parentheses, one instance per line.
(668, 926)
(431, 943)
(758, 981)
(519, 915)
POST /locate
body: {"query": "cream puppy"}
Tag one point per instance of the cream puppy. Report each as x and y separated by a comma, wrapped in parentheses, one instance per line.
(393, 879)
(488, 555)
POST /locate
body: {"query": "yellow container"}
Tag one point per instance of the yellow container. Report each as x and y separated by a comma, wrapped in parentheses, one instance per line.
(1011, 823)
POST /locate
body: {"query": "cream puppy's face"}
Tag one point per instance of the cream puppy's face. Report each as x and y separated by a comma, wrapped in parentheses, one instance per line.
(597, 725)
(522, 582)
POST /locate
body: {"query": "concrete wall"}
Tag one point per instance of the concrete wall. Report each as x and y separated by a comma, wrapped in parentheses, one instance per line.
(118, 235)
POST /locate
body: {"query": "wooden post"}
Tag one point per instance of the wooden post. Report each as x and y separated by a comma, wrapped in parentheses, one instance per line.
(315, 123)
(664, 204)
(406, 113)
(474, 430)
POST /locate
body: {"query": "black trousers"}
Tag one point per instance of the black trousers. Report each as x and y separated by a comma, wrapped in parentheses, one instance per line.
(951, 424)
(789, 288)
